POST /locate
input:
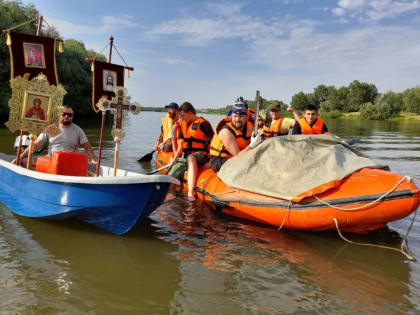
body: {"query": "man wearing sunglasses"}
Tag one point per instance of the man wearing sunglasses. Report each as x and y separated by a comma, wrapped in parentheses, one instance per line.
(69, 139)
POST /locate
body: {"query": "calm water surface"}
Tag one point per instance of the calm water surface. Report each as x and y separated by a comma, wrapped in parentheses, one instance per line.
(187, 259)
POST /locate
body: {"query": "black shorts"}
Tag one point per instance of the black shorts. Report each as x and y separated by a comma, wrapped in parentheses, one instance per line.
(216, 162)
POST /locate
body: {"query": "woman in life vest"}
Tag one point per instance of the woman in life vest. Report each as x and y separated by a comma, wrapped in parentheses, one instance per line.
(310, 124)
(194, 139)
(279, 126)
(167, 122)
(234, 134)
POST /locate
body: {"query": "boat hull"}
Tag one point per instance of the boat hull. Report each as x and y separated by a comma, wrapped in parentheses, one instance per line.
(361, 189)
(113, 206)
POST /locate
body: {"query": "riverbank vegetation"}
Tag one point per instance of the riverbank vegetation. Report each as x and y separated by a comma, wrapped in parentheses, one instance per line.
(360, 99)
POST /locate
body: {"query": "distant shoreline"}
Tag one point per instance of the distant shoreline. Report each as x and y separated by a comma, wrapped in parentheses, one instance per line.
(336, 115)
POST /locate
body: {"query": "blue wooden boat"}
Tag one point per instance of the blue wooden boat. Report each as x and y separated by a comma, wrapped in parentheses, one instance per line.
(114, 204)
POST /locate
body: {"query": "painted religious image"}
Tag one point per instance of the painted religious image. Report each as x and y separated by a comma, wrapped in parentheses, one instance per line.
(36, 107)
(34, 55)
(110, 80)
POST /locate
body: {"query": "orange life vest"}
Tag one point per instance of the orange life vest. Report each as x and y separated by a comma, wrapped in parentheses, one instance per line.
(242, 137)
(194, 139)
(274, 129)
(167, 123)
(251, 111)
(316, 129)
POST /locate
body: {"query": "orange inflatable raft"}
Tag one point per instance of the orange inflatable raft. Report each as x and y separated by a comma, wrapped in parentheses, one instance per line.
(365, 200)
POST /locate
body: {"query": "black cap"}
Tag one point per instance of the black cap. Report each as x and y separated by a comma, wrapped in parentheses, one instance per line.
(239, 109)
(172, 105)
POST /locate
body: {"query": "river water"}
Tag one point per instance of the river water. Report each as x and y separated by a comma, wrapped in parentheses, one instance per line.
(186, 259)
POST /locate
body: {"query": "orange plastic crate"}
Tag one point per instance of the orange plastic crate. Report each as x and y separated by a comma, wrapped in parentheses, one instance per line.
(63, 163)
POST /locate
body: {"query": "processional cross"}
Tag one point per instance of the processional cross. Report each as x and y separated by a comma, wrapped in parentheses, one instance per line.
(119, 106)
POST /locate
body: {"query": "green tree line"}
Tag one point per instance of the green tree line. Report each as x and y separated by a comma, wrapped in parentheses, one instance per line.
(73, 72)
(359, 97)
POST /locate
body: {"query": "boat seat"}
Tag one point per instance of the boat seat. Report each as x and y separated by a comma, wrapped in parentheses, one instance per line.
(63, 163)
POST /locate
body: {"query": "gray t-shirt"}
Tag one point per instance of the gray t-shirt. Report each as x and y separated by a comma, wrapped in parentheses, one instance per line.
(68, 140)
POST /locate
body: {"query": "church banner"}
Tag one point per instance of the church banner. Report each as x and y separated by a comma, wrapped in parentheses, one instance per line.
(33, 55)
(106, 76)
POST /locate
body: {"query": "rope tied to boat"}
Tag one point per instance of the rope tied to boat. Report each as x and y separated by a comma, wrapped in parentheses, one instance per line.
(408, 178)
(289, 205)
(375, 245)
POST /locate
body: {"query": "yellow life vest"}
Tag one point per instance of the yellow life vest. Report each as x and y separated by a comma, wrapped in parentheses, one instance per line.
(167, 123)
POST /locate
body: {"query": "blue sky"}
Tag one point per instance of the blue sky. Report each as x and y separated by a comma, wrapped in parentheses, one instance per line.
(210, 52)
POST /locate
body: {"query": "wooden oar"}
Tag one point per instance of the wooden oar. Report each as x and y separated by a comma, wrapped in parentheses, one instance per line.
(257, 98)
(160, 168)
(147, 157)
(353, 141)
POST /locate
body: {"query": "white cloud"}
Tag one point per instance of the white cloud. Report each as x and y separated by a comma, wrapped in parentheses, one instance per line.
(374, 10)
(174, 61)
(124, 20)
(109, 23)
(383, 55)
(200, 32)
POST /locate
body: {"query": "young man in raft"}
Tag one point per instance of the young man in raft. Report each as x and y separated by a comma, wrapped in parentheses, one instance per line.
(279, 126)
(194, 140)
(310, 124)
(164, 142)
(234, 134)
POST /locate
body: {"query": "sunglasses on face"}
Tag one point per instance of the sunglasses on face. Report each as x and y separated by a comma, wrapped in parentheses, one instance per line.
(67, 114)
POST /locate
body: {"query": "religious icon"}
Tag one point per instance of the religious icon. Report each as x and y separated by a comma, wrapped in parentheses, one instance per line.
(36, 107)
(109, 79)
(34, 55)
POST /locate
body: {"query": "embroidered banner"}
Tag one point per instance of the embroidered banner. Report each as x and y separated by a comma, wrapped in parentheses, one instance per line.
(34, 55)
(106, 76)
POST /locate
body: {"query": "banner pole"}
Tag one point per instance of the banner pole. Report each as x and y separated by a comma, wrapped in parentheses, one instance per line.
(19, 151)
(101, 137)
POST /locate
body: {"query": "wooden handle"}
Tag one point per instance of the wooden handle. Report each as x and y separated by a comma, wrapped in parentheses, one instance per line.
(116, 154)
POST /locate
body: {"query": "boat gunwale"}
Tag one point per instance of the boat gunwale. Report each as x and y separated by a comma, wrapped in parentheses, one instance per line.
(128, 178)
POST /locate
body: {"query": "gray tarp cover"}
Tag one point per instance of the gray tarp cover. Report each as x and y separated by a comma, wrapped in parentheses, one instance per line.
(285, 167)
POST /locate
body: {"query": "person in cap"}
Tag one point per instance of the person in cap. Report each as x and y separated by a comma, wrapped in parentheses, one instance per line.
(234, 135)
(310, 124)
(194, 139)
(279, 126)
(164, 142)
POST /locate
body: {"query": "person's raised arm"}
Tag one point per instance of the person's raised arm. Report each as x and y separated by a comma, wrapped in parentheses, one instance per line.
(290, 109)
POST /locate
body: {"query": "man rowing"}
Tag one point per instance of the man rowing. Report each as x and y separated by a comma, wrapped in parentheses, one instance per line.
(164, 142)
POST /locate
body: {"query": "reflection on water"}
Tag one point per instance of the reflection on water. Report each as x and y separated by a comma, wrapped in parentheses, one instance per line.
(189, 259)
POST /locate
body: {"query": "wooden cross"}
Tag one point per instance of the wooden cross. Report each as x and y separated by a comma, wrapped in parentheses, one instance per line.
(117, 106)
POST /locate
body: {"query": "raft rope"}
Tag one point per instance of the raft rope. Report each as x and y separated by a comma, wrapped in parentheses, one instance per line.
(226, 192)
(368, 204)
(374, 245)
(286, 215)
